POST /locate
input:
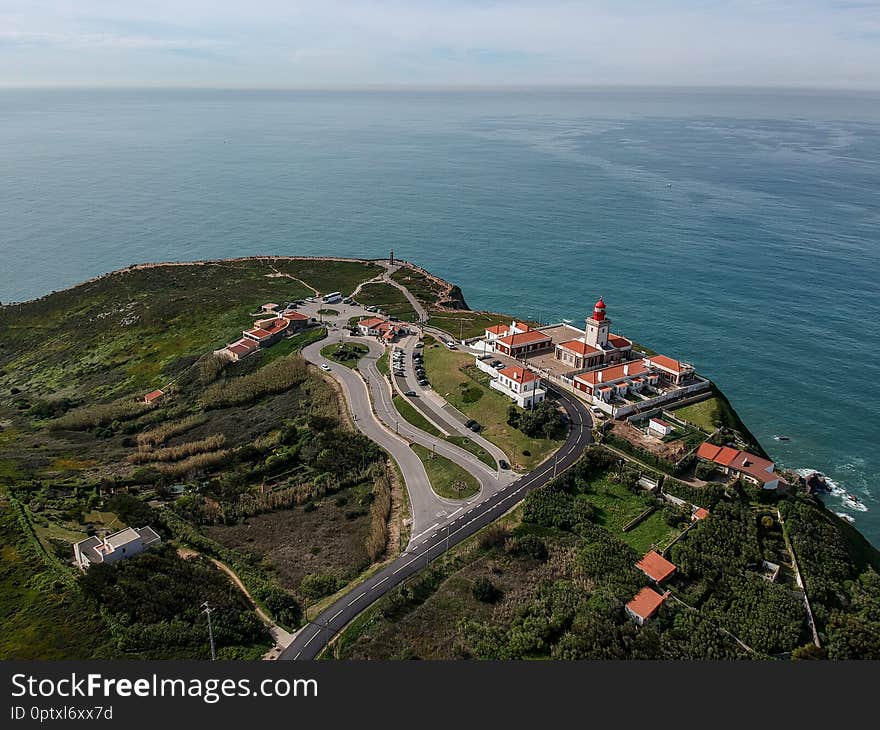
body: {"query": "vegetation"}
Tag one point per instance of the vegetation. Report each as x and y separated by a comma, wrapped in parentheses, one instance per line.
(447, 478)
(454, 376)
(388, 299)
(345, 353)
(243, 456)
(153, 604)
(414, 416)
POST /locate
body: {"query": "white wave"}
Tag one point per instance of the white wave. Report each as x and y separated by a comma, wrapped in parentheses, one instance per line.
(847, 500)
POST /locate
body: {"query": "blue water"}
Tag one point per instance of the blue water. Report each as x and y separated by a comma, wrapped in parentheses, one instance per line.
(736, 230)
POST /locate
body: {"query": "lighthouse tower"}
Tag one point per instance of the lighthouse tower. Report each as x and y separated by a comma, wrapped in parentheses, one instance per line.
(598, 327)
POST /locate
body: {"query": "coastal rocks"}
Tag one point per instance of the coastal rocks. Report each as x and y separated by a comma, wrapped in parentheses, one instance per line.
(815, 483)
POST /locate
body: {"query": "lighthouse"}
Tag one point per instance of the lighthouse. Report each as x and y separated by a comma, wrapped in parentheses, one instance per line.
(598, 326)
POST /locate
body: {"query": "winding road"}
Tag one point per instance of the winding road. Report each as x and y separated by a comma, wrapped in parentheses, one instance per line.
(437, 523)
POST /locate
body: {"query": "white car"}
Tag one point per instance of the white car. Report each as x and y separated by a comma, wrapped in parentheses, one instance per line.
(325, 368)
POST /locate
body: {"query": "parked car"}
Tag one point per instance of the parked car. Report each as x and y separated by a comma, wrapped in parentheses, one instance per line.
(475, 427)
(451, 346)
(325, 368)
(495, 363)
(502, 464)
(411, 393)
(499, 366)
(419, 345)
(424, 383)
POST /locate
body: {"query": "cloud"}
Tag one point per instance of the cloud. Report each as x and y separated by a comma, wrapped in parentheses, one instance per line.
(352, 42)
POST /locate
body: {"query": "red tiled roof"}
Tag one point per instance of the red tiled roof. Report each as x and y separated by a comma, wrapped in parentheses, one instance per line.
(618, 341)
(242, 347)
(259, 333)
(153, 395)
(662, 422)
(371, 322)
(655, 566)
(524, 338)
(646, 603)
(615, 372)
(276, 324)
(701, 513)
(521, 375)
(294, 316)
(741, 461)
(498, 329)
(667, 363)
(578, 347)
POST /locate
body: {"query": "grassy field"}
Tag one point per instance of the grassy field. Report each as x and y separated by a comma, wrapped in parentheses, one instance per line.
(616, 506)
(420, 286)
(463, 325)
(328, 276)
(346, 354)
(473, 397)
(469, 445)
(388, 299)
(706, 414)
(414, 416)
(446, 476)
(382, 364)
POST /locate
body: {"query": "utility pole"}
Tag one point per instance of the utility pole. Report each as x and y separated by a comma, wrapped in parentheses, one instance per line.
(208, 611)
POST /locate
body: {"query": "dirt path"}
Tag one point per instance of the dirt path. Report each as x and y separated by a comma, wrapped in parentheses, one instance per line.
(281, 637)
(281, 275)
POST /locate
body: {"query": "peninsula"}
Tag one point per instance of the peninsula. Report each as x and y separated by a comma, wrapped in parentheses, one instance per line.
(340, 458)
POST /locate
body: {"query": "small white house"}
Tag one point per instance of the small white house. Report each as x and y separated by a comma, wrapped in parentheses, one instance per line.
(115, 547)
(660, 428)
(522, 385)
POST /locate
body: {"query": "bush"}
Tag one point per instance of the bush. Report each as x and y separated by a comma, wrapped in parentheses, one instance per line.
(485, 591)
(528, 546)
(318, 585)
(492, 536)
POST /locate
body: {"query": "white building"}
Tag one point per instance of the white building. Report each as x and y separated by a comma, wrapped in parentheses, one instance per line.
(659, 427)
(522, 385)
(115, 547)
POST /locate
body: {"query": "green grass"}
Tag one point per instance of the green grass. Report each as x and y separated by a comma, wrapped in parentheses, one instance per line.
(463, 325)
(389, 299)
(445, 474)
(706, 414)
(382, 364)
(411, 414)
(43, 617)
(293, 344)
(476, 400)
(328, 312)
(328, 276)
(616, 506)
(332, 352)
(467, 444)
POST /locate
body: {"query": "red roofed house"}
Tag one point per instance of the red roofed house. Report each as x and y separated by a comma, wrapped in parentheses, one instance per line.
(645, 604)
(297, 320)
(752, 468)
(655, 566)
(659, 427)
(617, 379)
(520, 384)
(369, 327)
(267, 332)
(598, 345)
(153, 396)
(674, 371)
(700, 513)
(502, 330)
(239, 349)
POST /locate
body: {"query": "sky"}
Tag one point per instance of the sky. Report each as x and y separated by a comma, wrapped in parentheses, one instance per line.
(356, 43)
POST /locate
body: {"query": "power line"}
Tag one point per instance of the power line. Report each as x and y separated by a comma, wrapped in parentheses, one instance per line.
(207, 610)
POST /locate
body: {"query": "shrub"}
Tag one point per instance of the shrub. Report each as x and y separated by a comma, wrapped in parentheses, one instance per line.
(318, 585)
(485, 591)
(528, 546)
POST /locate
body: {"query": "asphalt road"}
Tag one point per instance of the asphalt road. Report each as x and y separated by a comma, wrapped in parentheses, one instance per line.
(461, 524)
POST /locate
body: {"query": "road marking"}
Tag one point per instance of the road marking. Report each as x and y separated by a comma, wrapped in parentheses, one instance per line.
(336, 615)
(382, 581)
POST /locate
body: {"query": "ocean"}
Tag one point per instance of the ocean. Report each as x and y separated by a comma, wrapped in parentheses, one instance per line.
(737, 230)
